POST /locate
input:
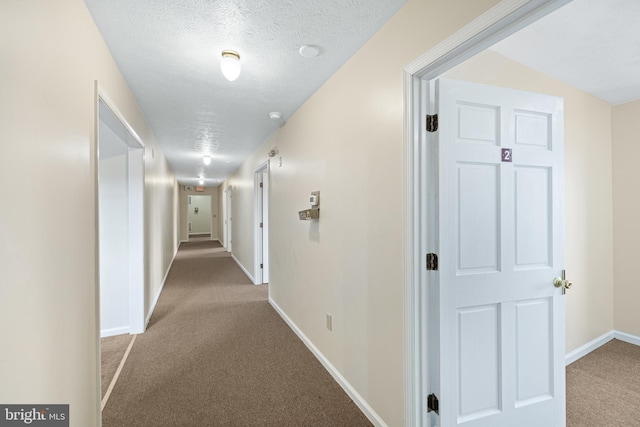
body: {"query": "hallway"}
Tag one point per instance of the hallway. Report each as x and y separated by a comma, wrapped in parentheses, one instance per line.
(216, 354)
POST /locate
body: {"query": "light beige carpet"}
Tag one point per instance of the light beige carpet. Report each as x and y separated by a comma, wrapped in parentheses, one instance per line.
(204, 238)
(217, 354)
(603, 387)
(112, 350)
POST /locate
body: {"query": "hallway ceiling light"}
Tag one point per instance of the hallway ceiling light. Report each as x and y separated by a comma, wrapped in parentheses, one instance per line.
(207, 160)
(230, 64)
(274, 115)
(201, 181)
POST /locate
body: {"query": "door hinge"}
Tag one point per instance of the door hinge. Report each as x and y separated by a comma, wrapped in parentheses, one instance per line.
(260, 185)
(432, 122)
(432, 261)
(432, 404)
(260, 225)
(261, 266)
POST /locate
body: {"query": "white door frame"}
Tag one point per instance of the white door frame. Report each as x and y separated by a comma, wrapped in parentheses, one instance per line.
(497, 23)
(136, 172)
(261, 215)
(228, 218)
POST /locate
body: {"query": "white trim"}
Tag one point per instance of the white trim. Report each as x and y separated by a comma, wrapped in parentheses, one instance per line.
(229, 218)
(157, 297)
(117, 374)
(587, 348)
(260, 205)
(114, 331)
(628, 338)
(93, 164)
(102, 94)
(596, 343)
(253, 280)
(375, 419)
(502, 20)
(137, 237)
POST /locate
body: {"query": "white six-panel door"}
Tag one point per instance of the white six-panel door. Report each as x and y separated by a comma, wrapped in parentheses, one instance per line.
(500, 225)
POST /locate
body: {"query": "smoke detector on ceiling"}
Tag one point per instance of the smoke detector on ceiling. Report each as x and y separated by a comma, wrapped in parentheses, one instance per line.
(309, 51)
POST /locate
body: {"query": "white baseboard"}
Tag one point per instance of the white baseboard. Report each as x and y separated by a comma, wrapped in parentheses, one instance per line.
(628, 338)
(114, 331)
(348, 388)
(583, 350)
(157, 297)
(243, 269)
(587, 348)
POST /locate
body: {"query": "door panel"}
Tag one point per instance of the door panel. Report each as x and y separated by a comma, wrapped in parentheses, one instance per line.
(533, 223)
(479, 360)
(478, 235)
(501, 245)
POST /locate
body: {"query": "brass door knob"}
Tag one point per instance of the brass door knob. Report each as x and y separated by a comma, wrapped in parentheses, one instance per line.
(562, 282)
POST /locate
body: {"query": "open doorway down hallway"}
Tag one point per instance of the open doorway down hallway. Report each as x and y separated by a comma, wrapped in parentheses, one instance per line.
(120, 224)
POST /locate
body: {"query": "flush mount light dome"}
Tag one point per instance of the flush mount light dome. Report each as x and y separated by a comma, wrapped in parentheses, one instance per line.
(230, 64)
(201, 181)
(275, 115)
(207, 160)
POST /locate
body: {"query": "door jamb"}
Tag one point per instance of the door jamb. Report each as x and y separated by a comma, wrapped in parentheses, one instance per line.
(261, 208)
(497, 23)
(228, 212)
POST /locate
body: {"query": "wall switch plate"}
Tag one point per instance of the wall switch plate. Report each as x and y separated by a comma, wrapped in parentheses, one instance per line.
(329, 322)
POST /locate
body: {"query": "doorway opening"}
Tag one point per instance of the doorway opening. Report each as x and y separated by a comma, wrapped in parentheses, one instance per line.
(261, 203)
(120, 224)
(420, 235)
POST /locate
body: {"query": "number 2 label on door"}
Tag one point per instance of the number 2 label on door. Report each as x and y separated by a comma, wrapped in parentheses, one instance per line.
(506, 155)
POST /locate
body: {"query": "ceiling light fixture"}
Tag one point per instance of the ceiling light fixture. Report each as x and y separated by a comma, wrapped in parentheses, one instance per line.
(274, 115)
(230, 64)
(201, 181)
(207, 159)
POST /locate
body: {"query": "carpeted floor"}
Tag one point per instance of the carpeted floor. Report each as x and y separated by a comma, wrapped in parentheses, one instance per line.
(205, 238)
(112, 350)
(603, 387)
(217, 354)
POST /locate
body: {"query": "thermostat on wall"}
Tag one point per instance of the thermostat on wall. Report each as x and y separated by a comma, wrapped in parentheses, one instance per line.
(314, 198)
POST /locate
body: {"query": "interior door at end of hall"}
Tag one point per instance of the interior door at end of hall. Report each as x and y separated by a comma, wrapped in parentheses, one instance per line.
(500, 224)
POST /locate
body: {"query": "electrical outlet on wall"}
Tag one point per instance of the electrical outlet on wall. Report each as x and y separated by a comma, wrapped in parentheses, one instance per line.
(329, 322)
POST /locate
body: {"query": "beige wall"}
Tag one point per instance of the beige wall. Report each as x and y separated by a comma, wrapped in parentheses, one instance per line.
(50, 55)
(626, 215)
(215, 210)
(588, 190)
(347, 142)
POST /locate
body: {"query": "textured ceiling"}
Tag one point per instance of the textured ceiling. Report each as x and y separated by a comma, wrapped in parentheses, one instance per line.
(169, 53)
(592, 44)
